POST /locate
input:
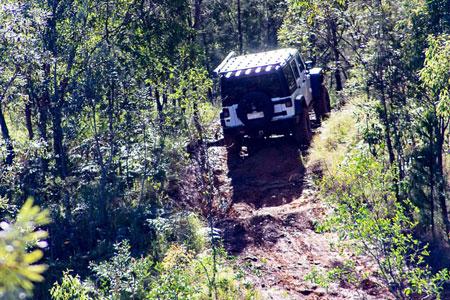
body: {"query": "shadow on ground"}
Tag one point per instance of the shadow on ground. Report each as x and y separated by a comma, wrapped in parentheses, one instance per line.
(270, 176)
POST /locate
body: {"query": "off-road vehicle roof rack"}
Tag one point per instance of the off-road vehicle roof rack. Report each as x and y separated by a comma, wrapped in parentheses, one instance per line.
(257, 62)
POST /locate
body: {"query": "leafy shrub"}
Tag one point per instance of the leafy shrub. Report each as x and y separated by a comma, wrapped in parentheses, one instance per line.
(186, 229)
(180, 275)
(181, 267)
(184, 276)
(369, 216)
(18, 268)
(71, 288)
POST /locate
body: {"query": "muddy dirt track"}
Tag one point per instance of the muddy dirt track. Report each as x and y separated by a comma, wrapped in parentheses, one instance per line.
(269, 224)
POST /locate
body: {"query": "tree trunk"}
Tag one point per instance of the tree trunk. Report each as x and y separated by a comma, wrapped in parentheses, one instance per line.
(3, 126)
(440, 176)
(58, 144)
(387, 131)
(431, 183)
(28, 121)
(100, 160)
(241, 43)
(387, 126)
(337, 72)
(160, 108)
(198, 14)
(42, 104)
(7, 138)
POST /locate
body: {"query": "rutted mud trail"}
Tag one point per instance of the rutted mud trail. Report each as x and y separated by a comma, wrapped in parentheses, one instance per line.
(269, 225)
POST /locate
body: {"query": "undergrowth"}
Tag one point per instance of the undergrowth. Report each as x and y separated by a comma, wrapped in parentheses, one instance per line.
(369, 217)
(337, 134)
(187, 270)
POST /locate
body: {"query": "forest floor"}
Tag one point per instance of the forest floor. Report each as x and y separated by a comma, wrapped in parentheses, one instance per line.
(269, 225)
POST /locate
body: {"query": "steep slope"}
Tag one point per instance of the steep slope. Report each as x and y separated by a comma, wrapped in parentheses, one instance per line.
(270, 221)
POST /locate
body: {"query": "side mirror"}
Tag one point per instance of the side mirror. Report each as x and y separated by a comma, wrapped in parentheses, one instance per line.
(309, 64)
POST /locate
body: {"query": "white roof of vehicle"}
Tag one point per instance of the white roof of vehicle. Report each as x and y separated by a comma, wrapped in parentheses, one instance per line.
(257, 62)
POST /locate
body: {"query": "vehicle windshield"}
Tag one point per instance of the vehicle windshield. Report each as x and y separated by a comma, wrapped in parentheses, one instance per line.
(234, 88)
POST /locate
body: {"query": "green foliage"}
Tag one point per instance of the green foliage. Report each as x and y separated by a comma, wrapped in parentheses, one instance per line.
(436, 72)
(71, 288)
(345, 273)
(371, 221)
(20, 250)
(187, 230)
(180, 275)
(122, 277)
(99, 101)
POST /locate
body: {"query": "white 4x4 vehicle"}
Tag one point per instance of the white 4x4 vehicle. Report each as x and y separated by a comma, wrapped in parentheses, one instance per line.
(269, 93)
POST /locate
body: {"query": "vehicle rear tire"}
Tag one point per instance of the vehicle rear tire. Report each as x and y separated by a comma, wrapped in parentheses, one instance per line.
(302, 131)
(320, 104)
(326, 97)
(233, 143)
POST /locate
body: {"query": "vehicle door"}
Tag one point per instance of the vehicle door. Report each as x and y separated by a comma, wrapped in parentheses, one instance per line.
(304, 79)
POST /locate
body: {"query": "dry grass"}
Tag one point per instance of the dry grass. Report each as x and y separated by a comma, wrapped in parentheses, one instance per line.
(330, 146)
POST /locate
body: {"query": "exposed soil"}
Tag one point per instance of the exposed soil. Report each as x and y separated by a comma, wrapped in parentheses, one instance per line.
(272, 207)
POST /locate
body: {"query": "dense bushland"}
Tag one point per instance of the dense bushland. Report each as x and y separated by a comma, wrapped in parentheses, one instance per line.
(383, 169)
(104, 105)
(396, 54)
(359, 185)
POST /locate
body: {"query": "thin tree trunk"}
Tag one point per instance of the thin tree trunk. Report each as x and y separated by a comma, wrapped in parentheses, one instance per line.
(58, 143)
(28, 121)
(337, 72)
(386, 123)
(101, 163)
(440, 174)
(7, 138)
(431, 183)
(241, 42)
(387, 132)
(159, 107)
(198, 14)
(3, 126)
(43, 106)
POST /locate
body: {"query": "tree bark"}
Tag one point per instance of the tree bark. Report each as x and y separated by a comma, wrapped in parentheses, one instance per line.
(28, 120)
(58, 145)
(431, 183)
(440, 176)
(197, 14)
(7, 138)
(3, 126)
(160, 108)
(240, 38)
(42, 104)
(337, 72)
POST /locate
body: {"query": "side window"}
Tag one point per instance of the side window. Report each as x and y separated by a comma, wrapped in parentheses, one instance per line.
(294, 68)
(300, 63)
(290, 78)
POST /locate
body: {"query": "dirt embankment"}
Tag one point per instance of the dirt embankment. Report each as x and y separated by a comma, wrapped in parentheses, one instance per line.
(272, 207)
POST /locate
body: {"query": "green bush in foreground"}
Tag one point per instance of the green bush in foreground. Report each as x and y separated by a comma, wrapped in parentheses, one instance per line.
(184, 272)
(20, 244)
